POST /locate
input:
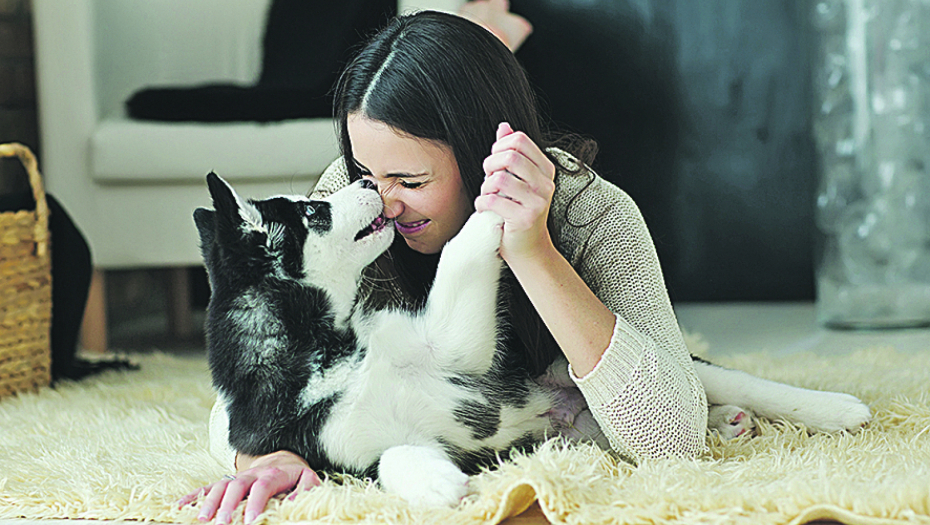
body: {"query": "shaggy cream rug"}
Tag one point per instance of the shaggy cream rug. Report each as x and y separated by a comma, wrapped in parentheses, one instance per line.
(127, 446)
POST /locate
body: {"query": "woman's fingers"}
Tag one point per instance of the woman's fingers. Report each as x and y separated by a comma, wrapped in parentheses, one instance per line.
(509, 160)
(262, 491)
(212, 502)
(308, 480)
(503, 129)
(509, 186)
(518, 186)
(500, 205)
(269, 475)
(535, 197)
(516, 155)
(519, 142)
(192, 497)
(235, 493)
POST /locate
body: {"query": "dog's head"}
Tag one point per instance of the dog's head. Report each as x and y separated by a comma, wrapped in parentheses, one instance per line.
(322, 243)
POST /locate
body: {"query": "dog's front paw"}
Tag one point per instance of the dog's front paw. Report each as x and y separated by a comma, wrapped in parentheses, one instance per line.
(836, 412)
(481, 233)
(422, 475)
(730, 422)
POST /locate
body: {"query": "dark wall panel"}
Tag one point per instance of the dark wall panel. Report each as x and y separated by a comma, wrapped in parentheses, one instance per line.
(702, 112)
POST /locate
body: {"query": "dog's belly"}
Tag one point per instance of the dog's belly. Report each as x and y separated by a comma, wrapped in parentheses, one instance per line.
(387, 406)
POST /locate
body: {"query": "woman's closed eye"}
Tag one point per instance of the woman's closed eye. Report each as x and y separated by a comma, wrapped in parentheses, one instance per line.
(395, 179)
(409, 185)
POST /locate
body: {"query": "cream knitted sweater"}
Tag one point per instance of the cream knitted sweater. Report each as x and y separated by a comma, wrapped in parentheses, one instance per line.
(644, 392)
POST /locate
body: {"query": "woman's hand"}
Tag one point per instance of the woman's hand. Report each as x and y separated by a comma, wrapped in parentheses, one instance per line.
(518, 186)
(260, 480)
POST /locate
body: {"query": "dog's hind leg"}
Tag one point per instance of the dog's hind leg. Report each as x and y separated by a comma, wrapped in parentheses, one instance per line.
(729, 422)
(422, 475)
(817, 411)
(460, 318)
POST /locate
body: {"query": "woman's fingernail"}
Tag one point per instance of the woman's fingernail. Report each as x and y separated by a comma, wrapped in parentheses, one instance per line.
(250, 516)
(203, 516)
(223, 518)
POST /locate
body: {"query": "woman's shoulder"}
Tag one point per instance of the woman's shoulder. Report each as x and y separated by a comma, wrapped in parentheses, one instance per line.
(581, 195)
(334, 177)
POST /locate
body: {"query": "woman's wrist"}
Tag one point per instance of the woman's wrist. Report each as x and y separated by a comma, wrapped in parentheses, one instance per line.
(531, 256)
(246, 462)
(528, 251)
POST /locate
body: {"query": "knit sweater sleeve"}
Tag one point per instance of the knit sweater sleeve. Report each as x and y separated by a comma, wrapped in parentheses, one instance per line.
(644, 391)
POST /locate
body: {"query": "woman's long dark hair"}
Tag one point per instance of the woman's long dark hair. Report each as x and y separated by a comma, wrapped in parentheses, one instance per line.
(442, 78)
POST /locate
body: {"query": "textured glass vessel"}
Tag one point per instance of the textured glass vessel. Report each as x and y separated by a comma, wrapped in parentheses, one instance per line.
(872, 132)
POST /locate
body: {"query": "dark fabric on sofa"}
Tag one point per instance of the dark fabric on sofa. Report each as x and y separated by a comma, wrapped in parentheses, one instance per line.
(305, 47)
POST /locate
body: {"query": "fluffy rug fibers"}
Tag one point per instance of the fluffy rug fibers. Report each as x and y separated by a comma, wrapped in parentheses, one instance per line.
(127, 446)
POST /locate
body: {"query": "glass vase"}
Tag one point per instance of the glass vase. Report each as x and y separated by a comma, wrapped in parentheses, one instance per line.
(871, 128)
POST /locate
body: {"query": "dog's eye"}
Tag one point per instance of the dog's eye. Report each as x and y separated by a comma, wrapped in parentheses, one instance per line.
(310, 210)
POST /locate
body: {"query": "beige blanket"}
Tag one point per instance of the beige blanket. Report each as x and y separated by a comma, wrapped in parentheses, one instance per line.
(127, 446)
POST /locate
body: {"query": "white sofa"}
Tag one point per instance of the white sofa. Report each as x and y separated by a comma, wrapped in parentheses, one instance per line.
(132, 186)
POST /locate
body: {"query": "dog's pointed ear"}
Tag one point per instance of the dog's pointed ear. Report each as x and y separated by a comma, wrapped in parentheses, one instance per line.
(225, 199)
(229, 207)
(206, 226)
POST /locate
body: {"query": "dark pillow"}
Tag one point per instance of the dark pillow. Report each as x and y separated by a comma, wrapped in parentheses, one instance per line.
(305, 47)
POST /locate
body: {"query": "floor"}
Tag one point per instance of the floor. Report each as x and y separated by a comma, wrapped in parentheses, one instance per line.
(785, 328)
(728, 328)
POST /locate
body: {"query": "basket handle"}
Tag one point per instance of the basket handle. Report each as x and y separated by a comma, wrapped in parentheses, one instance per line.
(25, 155)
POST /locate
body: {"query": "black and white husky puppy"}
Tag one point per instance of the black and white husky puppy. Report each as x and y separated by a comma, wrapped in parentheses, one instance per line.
(416, 399)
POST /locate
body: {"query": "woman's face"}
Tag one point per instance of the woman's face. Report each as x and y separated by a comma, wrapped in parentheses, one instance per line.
(418, 179)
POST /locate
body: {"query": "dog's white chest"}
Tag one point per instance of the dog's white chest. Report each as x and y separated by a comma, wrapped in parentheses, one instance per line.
(386, 405)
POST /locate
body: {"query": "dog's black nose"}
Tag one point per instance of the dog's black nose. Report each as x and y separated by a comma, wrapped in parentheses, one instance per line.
(369, 184)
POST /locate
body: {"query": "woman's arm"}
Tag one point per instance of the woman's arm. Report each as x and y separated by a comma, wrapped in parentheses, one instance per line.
(519, 187)
(607, 308)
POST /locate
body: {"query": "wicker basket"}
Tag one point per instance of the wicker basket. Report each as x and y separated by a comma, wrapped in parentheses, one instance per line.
(25, 288)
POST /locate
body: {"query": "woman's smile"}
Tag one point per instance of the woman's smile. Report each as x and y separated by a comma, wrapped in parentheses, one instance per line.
(411, 228)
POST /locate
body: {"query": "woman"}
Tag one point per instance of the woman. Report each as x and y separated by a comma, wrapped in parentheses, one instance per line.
(438, 113)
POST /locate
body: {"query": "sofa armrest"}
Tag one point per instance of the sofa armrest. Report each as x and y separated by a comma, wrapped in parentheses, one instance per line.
(449, 6)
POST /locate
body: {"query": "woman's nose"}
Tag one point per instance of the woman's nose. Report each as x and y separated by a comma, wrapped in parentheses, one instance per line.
(392, 207)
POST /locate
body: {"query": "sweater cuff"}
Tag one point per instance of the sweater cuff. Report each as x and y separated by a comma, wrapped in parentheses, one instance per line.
(616, 366)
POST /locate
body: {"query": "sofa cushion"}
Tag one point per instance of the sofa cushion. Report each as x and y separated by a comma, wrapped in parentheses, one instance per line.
(128, 151)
